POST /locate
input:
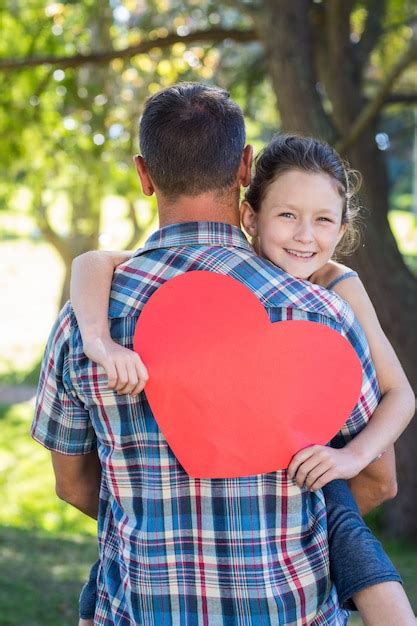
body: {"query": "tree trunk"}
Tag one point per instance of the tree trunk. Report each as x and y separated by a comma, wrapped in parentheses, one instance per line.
(65, 288)
(286, 31)
(393, 290)
(76, 244)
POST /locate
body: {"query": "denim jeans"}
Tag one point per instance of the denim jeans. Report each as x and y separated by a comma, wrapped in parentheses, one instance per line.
(88, 594)
(357, 559)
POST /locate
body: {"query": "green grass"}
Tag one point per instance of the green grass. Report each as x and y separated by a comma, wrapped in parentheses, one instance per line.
(46, 546)
(41, 576)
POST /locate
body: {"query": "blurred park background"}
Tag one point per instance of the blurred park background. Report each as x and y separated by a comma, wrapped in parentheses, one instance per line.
(73, 79)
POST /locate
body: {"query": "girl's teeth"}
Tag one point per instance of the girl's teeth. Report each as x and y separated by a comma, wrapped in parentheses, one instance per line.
(304, 255)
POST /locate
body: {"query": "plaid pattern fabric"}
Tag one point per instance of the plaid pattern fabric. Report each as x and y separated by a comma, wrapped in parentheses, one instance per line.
(177, 551)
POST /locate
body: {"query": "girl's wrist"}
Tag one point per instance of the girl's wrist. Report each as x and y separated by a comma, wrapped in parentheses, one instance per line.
(93, 334)
(363, 456)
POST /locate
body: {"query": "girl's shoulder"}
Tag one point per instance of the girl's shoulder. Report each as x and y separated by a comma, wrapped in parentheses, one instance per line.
(331, 274)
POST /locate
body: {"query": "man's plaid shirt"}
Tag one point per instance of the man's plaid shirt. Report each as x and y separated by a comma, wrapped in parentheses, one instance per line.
(176, 550)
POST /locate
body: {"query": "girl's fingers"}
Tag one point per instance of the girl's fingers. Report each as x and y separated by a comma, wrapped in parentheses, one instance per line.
(323, 480)
(122, 377)
(298, 459)
(141, 370)
(136, 373)
(308, 466)
(316, 474)
(111, 372)
(132, 378)
(142, 375)
(137, 389)
(129, 374)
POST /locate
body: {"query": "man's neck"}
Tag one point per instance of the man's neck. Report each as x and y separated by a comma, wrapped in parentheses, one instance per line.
(206, 207)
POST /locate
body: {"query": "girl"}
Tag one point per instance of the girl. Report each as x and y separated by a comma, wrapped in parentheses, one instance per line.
(299, 212)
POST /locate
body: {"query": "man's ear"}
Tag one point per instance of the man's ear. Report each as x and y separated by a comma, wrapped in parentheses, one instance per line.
(145, 179)
(246, 166)
(249, 219)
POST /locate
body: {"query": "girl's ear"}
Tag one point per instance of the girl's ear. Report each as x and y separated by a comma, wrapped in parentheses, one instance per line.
(249, 219)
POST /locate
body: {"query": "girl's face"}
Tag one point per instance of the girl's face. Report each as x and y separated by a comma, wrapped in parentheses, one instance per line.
(299, 223)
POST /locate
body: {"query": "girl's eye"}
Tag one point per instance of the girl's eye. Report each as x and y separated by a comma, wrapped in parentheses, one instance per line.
(286, 214)
(325, 219)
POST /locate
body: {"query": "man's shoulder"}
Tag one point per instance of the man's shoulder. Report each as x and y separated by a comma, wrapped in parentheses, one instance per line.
(135, 281)
(275, 288)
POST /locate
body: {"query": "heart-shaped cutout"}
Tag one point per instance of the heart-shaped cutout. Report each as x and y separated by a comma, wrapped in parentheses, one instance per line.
(233, 393)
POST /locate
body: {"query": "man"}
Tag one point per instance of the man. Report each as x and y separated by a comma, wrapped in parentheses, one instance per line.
(176, 550)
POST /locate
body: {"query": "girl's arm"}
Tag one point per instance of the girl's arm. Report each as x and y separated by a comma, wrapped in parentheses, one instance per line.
(317, 465)
(398, 403)
(91, 278)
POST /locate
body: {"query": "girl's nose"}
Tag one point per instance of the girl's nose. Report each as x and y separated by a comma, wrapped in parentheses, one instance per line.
(304, 233)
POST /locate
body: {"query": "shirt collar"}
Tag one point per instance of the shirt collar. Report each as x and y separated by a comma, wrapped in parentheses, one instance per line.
(196, 233)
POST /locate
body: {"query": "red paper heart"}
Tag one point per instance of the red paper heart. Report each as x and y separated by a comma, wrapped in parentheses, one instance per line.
(233, 394)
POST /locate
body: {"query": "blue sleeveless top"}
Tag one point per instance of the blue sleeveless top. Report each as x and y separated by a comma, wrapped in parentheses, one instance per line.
(337, 280)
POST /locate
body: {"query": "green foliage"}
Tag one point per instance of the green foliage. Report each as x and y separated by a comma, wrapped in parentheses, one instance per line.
(404, 227)
(73, 131)
(10, 375)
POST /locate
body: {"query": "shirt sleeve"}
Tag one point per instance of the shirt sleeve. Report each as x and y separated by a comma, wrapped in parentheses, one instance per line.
(370, 393)
(61, 422)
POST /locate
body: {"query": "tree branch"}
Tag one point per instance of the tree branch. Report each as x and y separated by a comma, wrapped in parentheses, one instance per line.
(401, 98)
(371, 110)
(44, 83)
(105, 56)
(49, 233)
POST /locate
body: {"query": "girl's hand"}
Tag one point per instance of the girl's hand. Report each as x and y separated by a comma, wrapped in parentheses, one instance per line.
(125, 370)
(315, 466)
